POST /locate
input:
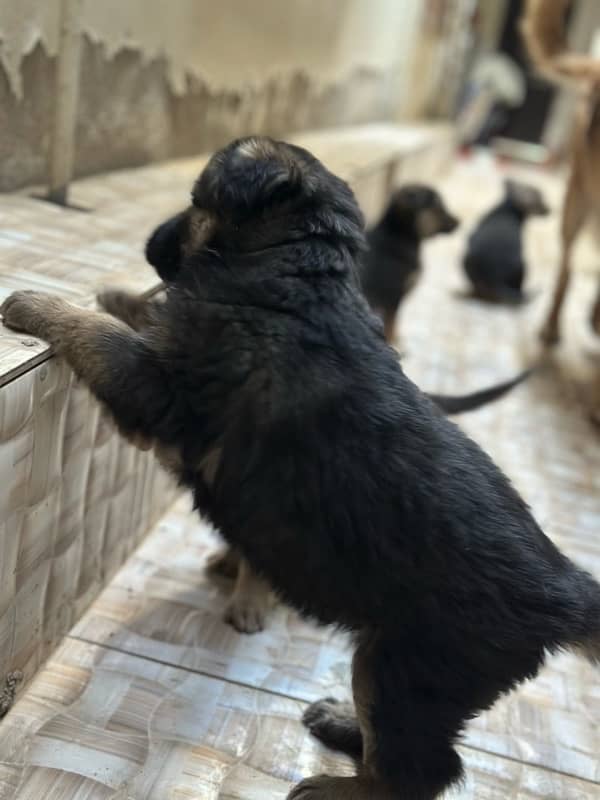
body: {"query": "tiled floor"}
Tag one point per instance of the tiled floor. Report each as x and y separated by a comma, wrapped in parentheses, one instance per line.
(152, 697)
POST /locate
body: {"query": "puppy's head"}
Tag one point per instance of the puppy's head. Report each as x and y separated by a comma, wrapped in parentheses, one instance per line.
(253, 194)
(526, 199)
(421, 209)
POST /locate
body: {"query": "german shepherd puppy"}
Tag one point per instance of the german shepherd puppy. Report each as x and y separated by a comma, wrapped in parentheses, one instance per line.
(266, 385)
(494, 261)
(391, 267)
(252, 598)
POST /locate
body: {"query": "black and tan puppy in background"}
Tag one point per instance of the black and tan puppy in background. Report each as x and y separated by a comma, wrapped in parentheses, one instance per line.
(391, 266)
(266, 385)
(494, 260)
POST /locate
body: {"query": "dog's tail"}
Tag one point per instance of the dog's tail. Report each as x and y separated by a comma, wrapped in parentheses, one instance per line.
(458, 404)
(544, 31)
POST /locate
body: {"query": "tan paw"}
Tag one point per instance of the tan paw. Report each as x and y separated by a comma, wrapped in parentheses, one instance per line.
(30, 312)
(323, 712)
(246, 615)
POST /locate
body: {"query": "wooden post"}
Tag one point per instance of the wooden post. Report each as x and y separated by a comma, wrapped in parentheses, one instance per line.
(66, 93)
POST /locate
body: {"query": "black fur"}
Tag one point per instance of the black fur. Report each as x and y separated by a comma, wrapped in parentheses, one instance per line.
(494, 260)
(390, 268)
(336, 478)
(458, 404)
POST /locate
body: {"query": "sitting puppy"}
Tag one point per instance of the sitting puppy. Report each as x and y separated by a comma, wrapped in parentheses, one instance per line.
(494, 258)
(390, 268)
(265, 384)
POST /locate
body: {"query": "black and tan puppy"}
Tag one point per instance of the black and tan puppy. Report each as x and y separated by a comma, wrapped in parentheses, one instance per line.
(252, 597)
(265, 383)
(392, 264)
(494, 261)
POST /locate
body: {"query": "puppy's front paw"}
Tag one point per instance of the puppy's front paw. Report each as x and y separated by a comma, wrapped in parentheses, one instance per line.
(29, 312)
(246, 615)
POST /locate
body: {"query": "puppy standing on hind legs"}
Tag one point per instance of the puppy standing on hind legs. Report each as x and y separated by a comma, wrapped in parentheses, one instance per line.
(252, 598)
(252, 380)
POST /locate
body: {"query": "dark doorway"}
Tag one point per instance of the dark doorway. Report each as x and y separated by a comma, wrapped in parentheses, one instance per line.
(526, 123)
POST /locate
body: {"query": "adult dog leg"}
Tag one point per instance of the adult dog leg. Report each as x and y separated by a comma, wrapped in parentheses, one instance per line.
(573, 217)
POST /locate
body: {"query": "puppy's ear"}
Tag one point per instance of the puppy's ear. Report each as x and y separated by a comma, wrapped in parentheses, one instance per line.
(249, 176)
(164, 249)
(526, 198)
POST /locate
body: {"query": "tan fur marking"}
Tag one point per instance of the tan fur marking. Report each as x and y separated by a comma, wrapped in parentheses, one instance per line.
(257, 148)
(428, 223)
(389, 326)
(210, 464)
(201, 226)
(250, 602)
(131, 309)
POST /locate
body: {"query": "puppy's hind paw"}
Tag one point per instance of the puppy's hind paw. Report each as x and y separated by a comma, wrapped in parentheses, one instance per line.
(319, 711)
(335, 724)
(246, 616)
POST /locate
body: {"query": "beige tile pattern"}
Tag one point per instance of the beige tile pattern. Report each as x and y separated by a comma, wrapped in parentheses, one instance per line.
(75, 500)
(99, 724)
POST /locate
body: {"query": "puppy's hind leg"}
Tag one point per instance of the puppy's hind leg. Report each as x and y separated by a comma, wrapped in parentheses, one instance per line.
(247, 609)
(407, 730)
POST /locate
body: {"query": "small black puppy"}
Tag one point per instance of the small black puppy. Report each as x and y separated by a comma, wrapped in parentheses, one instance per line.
(494, 260)
(390, 268)
(265, 383)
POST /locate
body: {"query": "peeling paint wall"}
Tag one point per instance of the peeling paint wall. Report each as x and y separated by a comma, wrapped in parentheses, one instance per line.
(160, 80)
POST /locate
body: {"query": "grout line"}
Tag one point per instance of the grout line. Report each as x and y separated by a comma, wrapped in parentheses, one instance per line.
(533, 765)
(275, 693)
(190, 670)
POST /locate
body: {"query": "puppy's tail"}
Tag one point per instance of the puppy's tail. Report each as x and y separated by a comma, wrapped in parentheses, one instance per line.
(458, 404)
(544, 32)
